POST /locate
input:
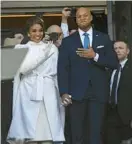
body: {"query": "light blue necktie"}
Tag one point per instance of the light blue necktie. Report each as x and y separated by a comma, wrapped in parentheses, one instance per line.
(86, 41)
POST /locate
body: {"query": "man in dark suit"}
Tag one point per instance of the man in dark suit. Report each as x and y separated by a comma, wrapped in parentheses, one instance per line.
(119, 114)
(84, 59)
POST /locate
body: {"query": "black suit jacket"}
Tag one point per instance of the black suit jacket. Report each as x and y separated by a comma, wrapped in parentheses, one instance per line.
(124, 93)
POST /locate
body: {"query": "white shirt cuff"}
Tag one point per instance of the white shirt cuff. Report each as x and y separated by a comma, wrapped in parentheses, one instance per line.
(96, 57)
(64, 27)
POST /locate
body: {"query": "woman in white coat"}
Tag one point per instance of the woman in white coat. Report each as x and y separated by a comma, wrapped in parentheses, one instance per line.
(38, 116)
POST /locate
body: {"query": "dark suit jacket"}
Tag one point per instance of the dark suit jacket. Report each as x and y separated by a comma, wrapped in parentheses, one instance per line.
(125, 93)
(74, 72)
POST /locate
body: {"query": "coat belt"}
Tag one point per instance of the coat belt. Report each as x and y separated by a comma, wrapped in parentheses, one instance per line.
(41, 87)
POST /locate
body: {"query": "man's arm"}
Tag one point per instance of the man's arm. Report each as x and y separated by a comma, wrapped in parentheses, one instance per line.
(64, 21)
(63, 68)
(63, 74)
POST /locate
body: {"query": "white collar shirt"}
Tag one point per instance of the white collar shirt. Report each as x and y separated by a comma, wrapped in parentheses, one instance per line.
(122, 63)
(90, 34)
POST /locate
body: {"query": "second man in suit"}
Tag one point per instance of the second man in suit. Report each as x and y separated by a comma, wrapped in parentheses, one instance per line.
(119, 112)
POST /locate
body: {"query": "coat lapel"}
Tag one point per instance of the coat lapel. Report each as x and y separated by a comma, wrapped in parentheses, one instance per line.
(95, 40)
(77, 39)
(124, 72)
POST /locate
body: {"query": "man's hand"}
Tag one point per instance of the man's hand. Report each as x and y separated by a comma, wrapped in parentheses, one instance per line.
(86, 53)
(65, 14)
(66, 99)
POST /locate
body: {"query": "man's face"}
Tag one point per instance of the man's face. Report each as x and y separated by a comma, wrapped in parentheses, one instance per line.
(83, 18)
(121, 50)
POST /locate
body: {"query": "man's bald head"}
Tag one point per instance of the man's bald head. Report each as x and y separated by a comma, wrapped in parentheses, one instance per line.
(58, 30)
(84, 18)
(54, 28)
(82, 9)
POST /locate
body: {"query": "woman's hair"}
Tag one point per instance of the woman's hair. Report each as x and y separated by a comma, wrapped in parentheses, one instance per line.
(34, 20)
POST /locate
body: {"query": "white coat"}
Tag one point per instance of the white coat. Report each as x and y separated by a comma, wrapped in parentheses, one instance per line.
(38, 83)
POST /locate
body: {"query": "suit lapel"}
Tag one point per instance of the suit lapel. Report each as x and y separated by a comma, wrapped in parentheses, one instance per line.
(125, 67)
(124, 72)
(77, 39)
(95, 40)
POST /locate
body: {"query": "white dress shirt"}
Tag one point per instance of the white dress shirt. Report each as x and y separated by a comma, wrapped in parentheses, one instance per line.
(65, 30)
(90, 35)
(119, 75)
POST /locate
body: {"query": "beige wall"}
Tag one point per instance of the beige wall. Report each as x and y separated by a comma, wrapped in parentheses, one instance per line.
(42, 3)
(44, 6)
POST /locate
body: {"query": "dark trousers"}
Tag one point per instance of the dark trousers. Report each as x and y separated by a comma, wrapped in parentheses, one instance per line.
(86, 119)
(115, 129)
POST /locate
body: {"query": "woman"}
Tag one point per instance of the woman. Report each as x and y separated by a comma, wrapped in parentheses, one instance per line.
(38, 116)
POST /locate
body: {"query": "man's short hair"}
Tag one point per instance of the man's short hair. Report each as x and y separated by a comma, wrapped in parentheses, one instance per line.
(123, 42)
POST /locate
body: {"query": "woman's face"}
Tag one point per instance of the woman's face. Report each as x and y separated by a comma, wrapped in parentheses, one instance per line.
(36, 33)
